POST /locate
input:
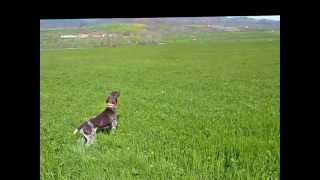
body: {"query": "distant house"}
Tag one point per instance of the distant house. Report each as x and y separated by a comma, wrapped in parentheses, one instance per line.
(85, 35)
(68, 36)
(231, 29)
(97, 34)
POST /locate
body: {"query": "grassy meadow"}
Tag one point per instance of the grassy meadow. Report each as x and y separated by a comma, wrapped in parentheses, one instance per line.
(189, 109)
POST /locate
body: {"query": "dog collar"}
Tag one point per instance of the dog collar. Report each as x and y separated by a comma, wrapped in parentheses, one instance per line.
(110, 105)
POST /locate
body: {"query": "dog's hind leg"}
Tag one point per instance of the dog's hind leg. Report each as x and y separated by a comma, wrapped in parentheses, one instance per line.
(84, 140)
(91, 137)
(85, 137)
(89, 141)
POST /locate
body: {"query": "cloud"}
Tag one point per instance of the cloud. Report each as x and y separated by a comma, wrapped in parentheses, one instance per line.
(277, 18)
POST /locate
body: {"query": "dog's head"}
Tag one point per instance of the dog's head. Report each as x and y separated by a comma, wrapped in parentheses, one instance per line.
(112, 99)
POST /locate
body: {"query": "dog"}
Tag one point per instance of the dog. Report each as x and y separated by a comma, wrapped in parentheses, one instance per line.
(104, 120)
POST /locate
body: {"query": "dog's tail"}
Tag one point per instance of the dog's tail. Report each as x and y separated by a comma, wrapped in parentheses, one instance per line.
(75, 131)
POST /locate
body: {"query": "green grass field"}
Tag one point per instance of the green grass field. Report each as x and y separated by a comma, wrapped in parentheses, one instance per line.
(205, 109)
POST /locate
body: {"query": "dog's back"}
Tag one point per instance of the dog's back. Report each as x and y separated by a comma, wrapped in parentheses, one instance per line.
(103, 119)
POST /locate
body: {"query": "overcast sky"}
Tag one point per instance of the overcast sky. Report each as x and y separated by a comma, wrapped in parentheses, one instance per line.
(266, 17)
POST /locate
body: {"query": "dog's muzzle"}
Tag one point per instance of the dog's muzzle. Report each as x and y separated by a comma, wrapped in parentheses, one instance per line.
(110, 105)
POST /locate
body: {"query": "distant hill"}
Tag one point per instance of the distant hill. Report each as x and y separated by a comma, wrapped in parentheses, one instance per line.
(221, 21)
(61, 23)
(76, 23)
(239, 22)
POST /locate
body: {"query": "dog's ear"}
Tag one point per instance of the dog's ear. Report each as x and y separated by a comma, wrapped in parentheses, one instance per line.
(116, 94)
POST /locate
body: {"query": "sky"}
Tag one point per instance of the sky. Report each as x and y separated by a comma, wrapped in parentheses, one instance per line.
(266, 17)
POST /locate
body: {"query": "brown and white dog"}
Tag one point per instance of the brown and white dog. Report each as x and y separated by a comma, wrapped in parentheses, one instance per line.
(104, 120)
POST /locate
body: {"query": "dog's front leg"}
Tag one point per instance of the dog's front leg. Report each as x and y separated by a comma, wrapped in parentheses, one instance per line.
(114, 126)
